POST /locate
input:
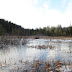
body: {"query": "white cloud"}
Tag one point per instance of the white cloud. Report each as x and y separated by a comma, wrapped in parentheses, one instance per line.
(68, 12)
(69, 7)
(25, 14)
(45, 6)
(35, 1)
(63, 3)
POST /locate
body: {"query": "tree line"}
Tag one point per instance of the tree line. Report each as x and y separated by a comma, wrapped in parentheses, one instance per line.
(12, 29)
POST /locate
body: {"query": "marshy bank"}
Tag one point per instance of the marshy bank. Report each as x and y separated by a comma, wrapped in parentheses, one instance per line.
(11, 40)
(49, 37)
(24, 54)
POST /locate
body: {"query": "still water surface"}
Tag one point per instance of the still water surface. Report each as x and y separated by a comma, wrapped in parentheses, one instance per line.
(12, 54)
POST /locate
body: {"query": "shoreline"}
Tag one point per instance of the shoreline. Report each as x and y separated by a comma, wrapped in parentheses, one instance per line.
(41, 37)
(49, 37)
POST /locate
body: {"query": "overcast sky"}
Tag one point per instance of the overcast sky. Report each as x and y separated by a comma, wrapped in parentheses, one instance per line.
(37, 13)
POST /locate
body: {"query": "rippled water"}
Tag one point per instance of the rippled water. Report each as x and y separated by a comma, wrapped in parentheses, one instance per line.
(11, 56)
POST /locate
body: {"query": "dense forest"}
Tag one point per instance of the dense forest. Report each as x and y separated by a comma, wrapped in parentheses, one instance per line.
(9, 28)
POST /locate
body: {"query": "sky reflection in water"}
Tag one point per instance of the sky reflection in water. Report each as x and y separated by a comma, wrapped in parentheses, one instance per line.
(62, 51)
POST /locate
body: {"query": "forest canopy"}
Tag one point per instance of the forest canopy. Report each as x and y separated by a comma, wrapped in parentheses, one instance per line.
(12, 29)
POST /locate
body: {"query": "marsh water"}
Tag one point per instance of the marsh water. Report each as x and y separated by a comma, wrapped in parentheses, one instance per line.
(14, 56)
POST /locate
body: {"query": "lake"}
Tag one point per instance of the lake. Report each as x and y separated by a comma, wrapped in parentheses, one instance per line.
(14, 58)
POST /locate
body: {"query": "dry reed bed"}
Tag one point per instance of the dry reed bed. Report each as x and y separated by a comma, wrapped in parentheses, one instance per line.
(41, 66)
(42, 46)
(7, 40)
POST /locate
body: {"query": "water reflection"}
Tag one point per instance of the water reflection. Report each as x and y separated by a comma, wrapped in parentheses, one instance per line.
(14, 54)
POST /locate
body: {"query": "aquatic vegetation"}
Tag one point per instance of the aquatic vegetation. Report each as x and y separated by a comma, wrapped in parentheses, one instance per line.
(20, 61)
(51, 46)
(7, 40)
(35, 55)
(41, 66)
(42, 46)
(47, 67)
